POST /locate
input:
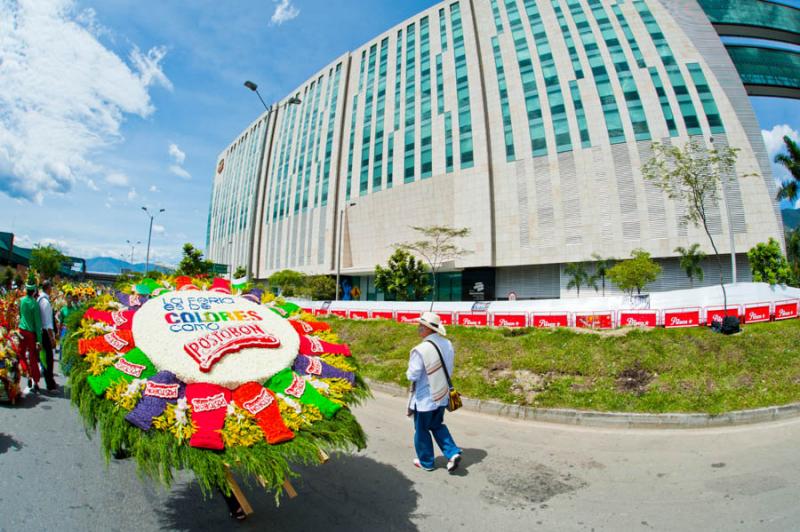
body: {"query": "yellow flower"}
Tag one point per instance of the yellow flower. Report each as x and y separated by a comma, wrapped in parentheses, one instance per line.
(338, 361)
(241, 429)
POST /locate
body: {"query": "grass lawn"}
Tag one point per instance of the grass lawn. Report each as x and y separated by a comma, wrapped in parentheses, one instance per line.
(676, 370)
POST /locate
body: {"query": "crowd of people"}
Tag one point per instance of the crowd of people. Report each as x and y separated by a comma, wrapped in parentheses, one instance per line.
(33, 320)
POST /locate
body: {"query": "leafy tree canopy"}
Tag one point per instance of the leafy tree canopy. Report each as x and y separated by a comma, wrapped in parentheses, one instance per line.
(768, 263)
(192, 263)
(404, 278)
(47, 261)
(635, 273)
(288, 282)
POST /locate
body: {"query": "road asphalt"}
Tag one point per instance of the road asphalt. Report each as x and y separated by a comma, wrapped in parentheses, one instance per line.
(516, 475)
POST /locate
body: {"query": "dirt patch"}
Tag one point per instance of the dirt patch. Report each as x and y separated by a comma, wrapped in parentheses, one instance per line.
(611, 333)
(525, 384)
(634, 379)
(515, 484)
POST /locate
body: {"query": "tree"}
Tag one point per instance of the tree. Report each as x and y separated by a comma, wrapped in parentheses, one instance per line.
(192, 263)
(437, 248)
(692, 175)
(578, 276)
(240, 272)
(601, 267)
(47, 261)
(288, 282)
(404, 278)
(791, 161)
(635, 273)
(768, 263)
(690, 261)
(319, 287)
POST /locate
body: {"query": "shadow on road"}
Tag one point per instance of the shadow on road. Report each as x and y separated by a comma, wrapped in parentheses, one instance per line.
(469, 457)
(7, 442)
(349, 493)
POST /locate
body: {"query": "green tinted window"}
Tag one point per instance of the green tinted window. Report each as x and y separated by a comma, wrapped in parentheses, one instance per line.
(380, 106)
(462, 90)
(567, 34)
(505, 108)
(329, 142)
(666, 108)
(411, 88)
(498, 19)
(425, 99)
(580, 114)
(707, 98)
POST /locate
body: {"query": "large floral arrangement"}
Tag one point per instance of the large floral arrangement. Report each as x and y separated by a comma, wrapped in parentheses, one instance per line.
(184, 374)
(9, 348)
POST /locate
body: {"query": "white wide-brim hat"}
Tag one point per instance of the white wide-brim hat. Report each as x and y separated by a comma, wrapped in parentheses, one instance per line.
(434, 322)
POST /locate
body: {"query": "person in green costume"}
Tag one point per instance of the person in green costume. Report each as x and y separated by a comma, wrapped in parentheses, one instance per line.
(30, 327)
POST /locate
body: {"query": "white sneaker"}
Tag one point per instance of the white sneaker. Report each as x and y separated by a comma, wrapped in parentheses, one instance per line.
(452, 464)
(419, 465)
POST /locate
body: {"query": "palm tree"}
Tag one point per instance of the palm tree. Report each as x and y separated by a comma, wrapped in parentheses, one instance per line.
(793, 252)
(791, 160)
(578, 276)
(690, 262)
(601, 267)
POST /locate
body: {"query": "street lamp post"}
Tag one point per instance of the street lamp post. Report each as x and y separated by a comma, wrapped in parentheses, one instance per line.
(133, 246)
(266, 152)
(339, 247)
(149, 236)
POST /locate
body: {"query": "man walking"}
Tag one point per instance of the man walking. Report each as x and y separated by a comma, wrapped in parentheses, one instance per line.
(48, 335)
(429, 368)
(30, 327)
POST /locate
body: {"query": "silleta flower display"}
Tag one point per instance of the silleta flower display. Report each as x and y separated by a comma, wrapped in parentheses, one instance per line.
(183, 373)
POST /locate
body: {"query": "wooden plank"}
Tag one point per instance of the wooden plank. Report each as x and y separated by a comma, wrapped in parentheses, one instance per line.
(237, 492)
(290, 491)
(323, 456)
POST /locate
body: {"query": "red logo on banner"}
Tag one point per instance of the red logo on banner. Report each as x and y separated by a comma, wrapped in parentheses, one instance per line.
(785, 311)
(594, 321)
(259, 402)
(557, 320)
(716, 315)
(638, 319)
(115, 341)
(382, 314)
(298, 386)
(473, 320)
(209, 349)
(307, 310)
(509, 320)
(129, 368)
(212, 402)
(359, 314)
(340, 313)
(756, 314)
(408, 317)
(321, 312)
(314, 366)
(445, 317)
(120, 318)
(162, 391)
(690, 318)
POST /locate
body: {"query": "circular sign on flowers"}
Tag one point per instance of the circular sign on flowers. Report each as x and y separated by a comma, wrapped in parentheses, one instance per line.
(169, 370)
(216, 338)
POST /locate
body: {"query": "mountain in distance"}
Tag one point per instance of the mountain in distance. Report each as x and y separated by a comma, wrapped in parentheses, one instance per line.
(791, 218)
(115, 266)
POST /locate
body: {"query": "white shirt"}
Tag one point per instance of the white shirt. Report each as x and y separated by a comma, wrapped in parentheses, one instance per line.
(46, 312)
(421, 400)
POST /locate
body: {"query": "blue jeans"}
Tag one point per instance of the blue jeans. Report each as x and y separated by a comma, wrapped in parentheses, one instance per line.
(425, 424)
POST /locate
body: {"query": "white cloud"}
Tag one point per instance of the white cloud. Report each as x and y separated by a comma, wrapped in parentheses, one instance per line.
(117, 179)
(180, 171)
(774, 138)
(158, 229)
(92, 185)
(175, 152)
(284, 12)
(153, 188)
(63, 95)
(132, 194)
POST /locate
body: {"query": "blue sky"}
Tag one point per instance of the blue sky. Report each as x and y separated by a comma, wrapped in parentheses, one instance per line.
(112, 104)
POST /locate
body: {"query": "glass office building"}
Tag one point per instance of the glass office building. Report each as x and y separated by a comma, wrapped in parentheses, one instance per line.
(525, 121)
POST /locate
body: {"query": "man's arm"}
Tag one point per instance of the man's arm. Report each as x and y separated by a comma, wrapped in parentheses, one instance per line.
(416, 368)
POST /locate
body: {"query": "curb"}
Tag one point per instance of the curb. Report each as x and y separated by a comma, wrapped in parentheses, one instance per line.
(622, 420)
